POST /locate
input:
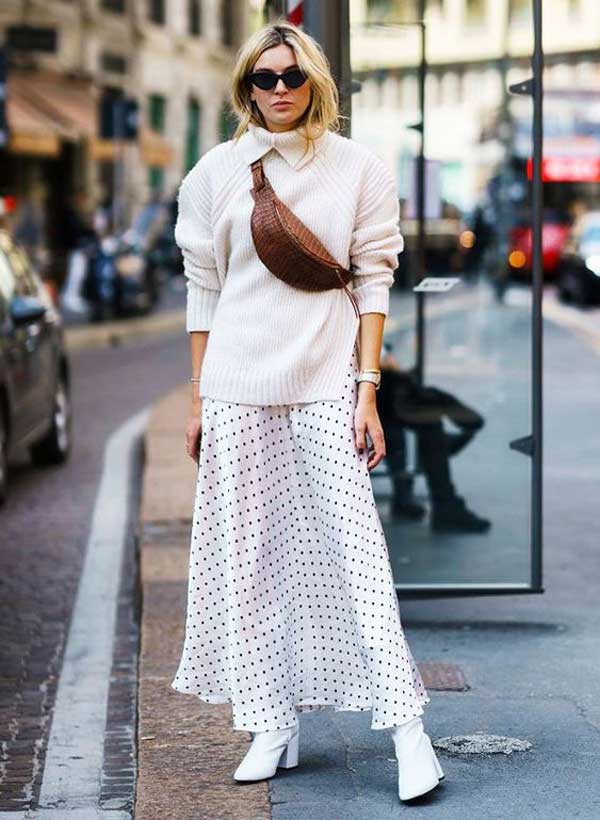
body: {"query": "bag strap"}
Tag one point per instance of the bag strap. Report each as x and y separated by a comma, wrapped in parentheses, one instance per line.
(259, 182)
(258, 175)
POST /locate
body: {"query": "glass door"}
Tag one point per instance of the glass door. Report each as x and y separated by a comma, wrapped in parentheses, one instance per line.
(459, 490)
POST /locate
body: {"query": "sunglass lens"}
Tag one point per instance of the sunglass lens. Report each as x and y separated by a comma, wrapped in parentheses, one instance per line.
(267, 80)
(264, 80)
(294, 78)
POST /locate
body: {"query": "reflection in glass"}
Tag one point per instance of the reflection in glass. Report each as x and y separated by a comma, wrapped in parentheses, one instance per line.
(453, 495)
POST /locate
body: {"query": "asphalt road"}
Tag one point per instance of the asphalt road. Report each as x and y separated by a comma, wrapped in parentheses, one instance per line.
(531, 661)
(44, 531)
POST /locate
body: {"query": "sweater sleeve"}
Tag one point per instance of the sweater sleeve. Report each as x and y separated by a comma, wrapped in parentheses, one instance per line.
(193, 234)
(376, 239)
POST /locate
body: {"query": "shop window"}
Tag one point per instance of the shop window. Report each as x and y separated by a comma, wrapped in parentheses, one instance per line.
(157, 109)
(228, 22)
(156, 11)
(113, 63)
(194, 17)
(116, 6)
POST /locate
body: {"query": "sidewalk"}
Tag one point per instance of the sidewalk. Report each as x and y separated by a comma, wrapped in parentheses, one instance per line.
(167, 317)
(186, 748)
(531, 663)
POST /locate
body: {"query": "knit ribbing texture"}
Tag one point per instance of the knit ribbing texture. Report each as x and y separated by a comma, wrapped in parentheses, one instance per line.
(271, 343)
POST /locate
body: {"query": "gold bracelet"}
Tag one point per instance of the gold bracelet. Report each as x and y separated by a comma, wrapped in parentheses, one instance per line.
(194, 379)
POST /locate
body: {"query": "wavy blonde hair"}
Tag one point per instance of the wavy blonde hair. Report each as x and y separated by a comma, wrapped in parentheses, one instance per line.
(322, 113)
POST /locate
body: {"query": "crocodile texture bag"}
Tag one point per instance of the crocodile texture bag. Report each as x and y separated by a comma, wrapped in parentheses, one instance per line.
(287, 247)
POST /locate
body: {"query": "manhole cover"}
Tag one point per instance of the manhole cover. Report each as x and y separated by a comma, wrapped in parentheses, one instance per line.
(481, 743)
(442, 675)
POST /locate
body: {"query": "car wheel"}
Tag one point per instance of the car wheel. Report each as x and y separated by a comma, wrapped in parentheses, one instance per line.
(54, 448)
(3, 457)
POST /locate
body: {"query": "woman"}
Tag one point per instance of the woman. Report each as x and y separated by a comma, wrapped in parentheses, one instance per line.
(291, 602)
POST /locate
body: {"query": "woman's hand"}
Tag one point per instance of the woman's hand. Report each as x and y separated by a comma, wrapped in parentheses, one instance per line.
(366, 420)
(194, 430)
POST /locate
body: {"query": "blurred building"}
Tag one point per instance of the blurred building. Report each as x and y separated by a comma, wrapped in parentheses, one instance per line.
(475, 49)
(172, 56)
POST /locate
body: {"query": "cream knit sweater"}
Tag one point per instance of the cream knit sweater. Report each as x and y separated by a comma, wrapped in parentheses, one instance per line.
(270, 343)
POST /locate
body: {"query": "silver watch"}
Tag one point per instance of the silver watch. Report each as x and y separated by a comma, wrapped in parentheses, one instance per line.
(369, 376)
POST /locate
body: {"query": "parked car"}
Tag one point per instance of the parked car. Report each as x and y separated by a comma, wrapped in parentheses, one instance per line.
(579, 278)
(35, 406)
(555, 232)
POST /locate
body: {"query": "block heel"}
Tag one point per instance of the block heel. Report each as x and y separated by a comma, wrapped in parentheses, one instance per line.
(289, 757)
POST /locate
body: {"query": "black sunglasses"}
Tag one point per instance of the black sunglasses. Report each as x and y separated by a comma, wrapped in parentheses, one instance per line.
(267, 80)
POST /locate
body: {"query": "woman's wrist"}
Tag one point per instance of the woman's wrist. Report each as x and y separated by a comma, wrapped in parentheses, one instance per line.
(366, 391)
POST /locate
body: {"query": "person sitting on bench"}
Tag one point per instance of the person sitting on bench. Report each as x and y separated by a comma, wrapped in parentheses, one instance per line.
(404, 404)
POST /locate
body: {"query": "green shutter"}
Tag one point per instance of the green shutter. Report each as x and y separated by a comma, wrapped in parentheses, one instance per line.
(192, 135)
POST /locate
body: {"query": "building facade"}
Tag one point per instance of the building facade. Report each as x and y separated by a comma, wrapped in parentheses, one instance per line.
(173, 58)
(475, 49)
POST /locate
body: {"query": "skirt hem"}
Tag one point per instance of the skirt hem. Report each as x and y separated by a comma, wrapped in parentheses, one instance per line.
(310, 705)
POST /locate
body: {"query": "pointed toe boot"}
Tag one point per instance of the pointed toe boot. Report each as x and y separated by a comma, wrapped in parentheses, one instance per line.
(267, 752)
(419, 770)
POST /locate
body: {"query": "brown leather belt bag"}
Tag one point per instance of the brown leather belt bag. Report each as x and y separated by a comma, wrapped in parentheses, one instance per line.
(287, 247)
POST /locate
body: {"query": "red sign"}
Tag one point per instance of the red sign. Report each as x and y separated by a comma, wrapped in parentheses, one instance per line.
(7, 204)
(567, 169)
(295, 12)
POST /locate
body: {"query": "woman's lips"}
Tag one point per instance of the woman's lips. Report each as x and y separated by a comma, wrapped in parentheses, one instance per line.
(281, 104)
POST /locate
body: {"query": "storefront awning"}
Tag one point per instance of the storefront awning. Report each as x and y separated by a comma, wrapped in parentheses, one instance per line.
(46, 108)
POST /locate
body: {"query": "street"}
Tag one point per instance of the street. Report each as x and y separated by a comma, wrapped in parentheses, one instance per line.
(531, 662)
(45, 526)
(158, 162)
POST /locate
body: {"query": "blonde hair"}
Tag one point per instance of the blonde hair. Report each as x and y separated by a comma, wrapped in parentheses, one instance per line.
(322, 113)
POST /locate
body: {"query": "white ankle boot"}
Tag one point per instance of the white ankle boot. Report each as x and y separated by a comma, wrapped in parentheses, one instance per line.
(267, 751)
(418, 768)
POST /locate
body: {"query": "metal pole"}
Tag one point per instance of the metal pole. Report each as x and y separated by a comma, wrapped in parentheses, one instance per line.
(420, 266)
(537, 283)
(118, 165)
(329, 24)
(504, 211)
(116, 159)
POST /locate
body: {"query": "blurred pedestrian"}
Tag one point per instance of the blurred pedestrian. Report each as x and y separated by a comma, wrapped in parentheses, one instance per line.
(76, 233)
(291, 604)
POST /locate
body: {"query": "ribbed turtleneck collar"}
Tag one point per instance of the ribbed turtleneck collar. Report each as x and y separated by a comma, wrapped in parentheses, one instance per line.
(291, 144)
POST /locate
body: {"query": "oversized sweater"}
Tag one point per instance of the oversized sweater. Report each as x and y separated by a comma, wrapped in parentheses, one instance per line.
(269, 342)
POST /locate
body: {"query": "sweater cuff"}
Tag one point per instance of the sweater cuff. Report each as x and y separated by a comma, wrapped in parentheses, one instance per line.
(200, 307)
(372, 299)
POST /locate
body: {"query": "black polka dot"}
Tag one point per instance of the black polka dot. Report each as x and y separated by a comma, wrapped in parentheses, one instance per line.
(291, 603)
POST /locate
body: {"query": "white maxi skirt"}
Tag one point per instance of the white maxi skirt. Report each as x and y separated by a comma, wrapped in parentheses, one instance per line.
(291, 605)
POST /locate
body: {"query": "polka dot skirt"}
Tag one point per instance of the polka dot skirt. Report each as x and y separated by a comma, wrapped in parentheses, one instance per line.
(291, 605)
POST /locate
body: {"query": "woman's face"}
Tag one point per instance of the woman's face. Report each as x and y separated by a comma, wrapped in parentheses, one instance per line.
(280, 117)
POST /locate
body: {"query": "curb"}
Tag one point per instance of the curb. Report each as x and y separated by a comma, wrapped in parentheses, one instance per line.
(187, 749)
(586, 325)
(110, 334)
